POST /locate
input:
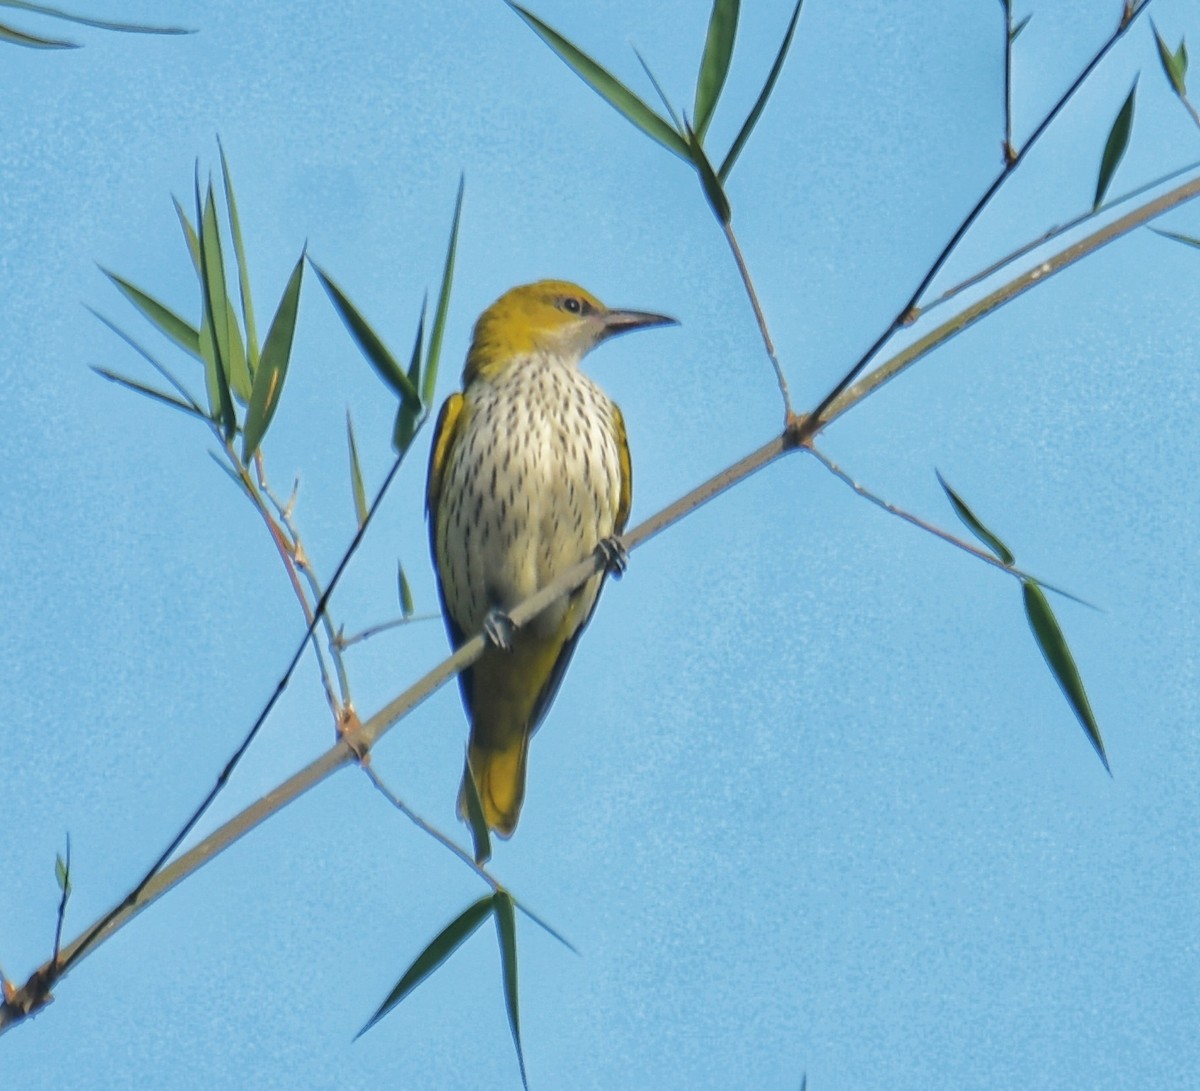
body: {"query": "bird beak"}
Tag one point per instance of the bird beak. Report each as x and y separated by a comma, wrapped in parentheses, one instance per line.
(616, 322)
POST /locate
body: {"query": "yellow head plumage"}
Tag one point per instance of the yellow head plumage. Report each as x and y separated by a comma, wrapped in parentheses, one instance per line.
(553, 317)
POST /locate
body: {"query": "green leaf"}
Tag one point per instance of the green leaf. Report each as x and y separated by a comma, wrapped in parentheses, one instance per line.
(100, 24)
(1174, 65)
(506, 935)
(150, 392)
(662, 96)
(273, 365)
(180, 389)
(189, 235)
(434, 354)
(214, 329)
(368, 341)
(1114, 146)
(408, 419)
(14, 36)
(1187, 240)
(1015, 33)
(406, 596)
(756, 112)
(62, 871)
(230, 353)
(1058, 657)
(239, 250)
(182, 332)
(440, 948)
(480, 834)
(972, 522)
(713, 190)
(606, 85)
(357, 489)
(714, 66)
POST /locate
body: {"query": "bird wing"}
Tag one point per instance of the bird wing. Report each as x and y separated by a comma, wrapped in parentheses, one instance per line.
(444, 435)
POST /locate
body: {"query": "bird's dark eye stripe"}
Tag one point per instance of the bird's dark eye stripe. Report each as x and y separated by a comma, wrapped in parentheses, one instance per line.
(573, 305)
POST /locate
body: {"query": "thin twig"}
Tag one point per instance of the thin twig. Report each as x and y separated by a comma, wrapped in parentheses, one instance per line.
(1010, 152)
(344, 642)
(731, 238)
(815, 419)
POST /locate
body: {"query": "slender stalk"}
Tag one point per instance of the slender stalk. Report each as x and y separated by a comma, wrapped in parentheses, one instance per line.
(760, 318)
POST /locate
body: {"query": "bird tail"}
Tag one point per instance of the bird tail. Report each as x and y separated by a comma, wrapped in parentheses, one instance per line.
(499, 775)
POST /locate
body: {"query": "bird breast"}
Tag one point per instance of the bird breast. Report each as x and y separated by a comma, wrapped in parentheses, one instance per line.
(532, 485)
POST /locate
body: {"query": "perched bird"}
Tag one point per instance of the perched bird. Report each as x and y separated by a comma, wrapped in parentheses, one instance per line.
(529, 473)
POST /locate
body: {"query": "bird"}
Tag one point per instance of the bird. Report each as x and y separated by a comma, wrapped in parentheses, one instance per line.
(529, 473)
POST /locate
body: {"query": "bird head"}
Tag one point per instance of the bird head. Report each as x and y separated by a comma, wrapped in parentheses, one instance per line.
(551, 317)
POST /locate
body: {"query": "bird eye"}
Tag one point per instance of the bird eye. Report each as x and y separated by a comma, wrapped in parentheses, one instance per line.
(572, 305)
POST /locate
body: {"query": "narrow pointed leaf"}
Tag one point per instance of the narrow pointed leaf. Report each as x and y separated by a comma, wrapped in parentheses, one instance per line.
(184, 394)
(606, 85)
(972, 522)
(434, 354)
(480, 835)
(357, 489)
(100, 24)
(546, 928)
(62, 872)
(406, 596)
(440, 948)
(506, 934)
(189, 235)
(662, 96)
(1115, 146)
(743, 135)
(1015, 33)
(368, 341)
(14, 36)
(1187, 240)
(179, 330)
(239, 250)
(149, 392)
(214, 329)
(713, 190)
(1174, 65)
(273, 365)
(1058, 657)
(714, 66)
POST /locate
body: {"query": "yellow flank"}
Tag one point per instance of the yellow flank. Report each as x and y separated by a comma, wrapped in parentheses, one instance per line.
(528, 473)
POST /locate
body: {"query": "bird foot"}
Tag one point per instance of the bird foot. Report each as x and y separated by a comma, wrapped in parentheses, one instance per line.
(614, 555)
(499, 630)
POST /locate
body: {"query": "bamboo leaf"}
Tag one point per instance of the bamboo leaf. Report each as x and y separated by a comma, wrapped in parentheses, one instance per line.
(662, 95)
(480, 834)
(14, 36)
(606, 85)
(1115, 146)
(180, 389)
(100, 24)
(239, 250)
(179, 330)
(368, 341)
(150, 392)
(433, 357)
(62, 871)
(714, 66)
(189, 235)
(761, 104)
(1015, 33)
(406, 595)
(1187, 240)
(357, 489)
(506, 935)
(1054, 649)
(439, 949)
(408, 419)
(972, 522)
(273, 365)
(1174, 65)
(713, 190)
(214, 329)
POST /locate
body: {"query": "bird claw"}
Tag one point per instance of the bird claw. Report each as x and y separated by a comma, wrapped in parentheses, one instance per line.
(498, 630)
(614, 555)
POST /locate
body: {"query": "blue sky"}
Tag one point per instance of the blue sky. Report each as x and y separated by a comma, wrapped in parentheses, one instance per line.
(809, 801)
